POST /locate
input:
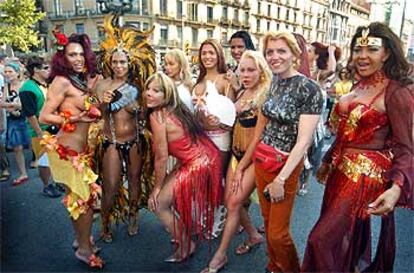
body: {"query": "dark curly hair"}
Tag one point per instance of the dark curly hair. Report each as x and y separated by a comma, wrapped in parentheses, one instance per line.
(396, 67)
(61, 67)
(32, 63)
(245, 36)
(322, 51)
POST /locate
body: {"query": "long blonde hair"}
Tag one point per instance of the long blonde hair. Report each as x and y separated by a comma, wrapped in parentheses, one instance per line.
(290, 40)
(265, 75)
(175, 105)
(178, 56)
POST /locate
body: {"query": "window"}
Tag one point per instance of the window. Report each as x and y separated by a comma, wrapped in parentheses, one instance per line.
(209, 14)
(268, 25)
(225, 13)
(79, 6)
(236, 15)
(193, 11)
(145, 26)
(144, 6)
(58, 7)
(163, 7)
(287, 14)
(209, 33)
(163, 34)
(277, 26)
(180, 33)
(194, 33)
(259, 7)
(269, 10)
(80, 28)
(246, 18)
(258, 25)
(133, 23)
(179, 9)
(278, 12)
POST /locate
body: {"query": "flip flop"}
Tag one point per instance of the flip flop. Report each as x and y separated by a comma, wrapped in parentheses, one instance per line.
(246, 247)
(19, 181)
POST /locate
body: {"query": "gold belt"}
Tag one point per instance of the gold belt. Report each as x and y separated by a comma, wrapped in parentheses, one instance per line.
(361, 165)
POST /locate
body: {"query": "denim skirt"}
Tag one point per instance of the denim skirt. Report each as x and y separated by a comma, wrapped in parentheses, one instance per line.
(17, 133)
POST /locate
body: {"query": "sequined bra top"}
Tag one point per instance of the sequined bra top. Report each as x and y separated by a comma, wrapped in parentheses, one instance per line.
(362, 125)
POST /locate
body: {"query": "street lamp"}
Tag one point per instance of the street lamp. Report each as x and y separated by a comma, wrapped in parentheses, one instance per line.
(118, 7)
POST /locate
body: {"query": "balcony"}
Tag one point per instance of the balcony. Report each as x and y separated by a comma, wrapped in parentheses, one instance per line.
(225, 21)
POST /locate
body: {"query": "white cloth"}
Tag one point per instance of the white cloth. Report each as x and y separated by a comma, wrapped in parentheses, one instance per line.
(222, 139)
(43, 161)
(219, 105)
(185, 96)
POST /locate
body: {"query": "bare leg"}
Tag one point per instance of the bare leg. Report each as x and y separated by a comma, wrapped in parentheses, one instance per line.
(18, 153)
(45, 174)
(134, 188)
(111, 177)
(234, 204)
(166, 216)
(83, 227)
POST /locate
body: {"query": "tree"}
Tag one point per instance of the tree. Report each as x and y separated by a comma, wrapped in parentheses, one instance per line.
(17, 22)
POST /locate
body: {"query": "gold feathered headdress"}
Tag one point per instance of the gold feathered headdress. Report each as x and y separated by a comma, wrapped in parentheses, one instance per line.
(135, 44)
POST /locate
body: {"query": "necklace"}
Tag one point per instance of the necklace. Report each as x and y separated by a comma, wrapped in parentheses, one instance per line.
(373, 81)
(79, 82)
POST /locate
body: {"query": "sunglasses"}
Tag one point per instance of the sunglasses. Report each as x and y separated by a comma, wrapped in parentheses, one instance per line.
(46, 67)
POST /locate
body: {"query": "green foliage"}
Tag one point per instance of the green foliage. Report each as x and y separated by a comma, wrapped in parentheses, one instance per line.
(17, 22)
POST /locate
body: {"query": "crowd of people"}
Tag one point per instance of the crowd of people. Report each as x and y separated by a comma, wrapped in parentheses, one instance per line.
(117, 134)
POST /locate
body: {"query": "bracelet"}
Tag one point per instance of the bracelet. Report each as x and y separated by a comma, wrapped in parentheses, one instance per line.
(281, 179)
(67, 126)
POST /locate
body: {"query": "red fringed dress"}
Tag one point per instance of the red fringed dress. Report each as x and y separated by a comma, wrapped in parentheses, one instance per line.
(197, 185)
(372, 150)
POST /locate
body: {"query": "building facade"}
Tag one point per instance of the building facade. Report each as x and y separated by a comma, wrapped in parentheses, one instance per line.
(186, 23)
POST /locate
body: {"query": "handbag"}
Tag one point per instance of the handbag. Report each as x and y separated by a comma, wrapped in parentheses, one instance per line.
(268, 158)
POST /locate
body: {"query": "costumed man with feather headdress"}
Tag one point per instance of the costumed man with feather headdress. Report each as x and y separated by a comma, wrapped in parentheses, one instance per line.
(127, 61)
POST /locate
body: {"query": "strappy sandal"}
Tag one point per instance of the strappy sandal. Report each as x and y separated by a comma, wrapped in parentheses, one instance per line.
(133, 224)
(95, 249)
(92, 261)
(107, 237)
(216, 269)
(247, 247)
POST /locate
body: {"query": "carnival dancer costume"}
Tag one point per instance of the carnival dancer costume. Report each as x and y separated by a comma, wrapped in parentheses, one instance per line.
(141, 64)
(197, 185)
(372, 150)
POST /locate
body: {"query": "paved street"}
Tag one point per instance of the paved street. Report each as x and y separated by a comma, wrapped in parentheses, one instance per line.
(36, 236)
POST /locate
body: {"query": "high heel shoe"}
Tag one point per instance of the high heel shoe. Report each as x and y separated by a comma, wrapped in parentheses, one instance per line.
(95, 249)
(92, 260)
(216, 269)
(177, 258)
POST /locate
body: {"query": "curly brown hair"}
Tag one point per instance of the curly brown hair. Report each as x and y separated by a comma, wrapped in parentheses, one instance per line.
(396, 67)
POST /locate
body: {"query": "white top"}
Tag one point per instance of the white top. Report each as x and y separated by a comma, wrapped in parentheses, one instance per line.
(219, 105)
(185, 96)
